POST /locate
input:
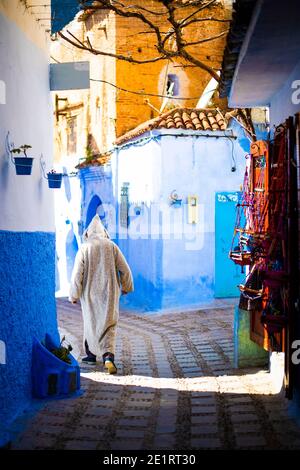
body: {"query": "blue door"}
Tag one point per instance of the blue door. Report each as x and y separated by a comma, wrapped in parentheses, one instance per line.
(227, 274)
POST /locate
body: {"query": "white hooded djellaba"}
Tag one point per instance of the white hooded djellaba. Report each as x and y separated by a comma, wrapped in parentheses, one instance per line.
(100, 273)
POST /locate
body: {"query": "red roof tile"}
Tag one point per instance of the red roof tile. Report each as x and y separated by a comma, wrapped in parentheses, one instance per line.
(180, 118)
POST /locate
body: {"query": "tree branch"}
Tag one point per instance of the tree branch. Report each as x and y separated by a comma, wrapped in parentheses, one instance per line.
(168, 35)
(191, 98)
(192, 4)
(182, 22)
(200, 20)
(110, 54)
(200, 64)
(212, 38)
(138, 7)
(107, 5)
(174, 23)
(124, 9)
(249, 121)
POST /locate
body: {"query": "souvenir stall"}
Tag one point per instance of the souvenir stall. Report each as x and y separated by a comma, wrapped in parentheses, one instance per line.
(265, 242)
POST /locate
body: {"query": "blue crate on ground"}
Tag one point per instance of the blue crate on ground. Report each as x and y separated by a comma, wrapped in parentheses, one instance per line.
(52, 377)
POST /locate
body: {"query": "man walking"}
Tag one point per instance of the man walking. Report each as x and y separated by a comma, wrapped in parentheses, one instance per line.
(99, 276)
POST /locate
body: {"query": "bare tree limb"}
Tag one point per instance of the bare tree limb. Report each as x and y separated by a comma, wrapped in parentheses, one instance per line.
(200, 64)
(212, 38)
(168, 35)
(107, 5)
(182, 22)
(178, 46)
(199, 20)
(186, 98)
(110, 54)
(194, 3)
(174, 23)
(76, 39)
(249, 121)
(138, 7)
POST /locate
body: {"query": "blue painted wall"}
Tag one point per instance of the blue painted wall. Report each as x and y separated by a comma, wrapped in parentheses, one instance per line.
(27, 273)
(97, 197)
(175, 270)
(286, 102)
(196, 166)
(258, 77)
(145, 259)
(188, 275)
(173, 264)
(27, 254)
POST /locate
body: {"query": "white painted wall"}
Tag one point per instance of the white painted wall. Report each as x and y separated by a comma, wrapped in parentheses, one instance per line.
(142, 169)
(67, 214)
(197, 166)
(96, 114)
(26, 202)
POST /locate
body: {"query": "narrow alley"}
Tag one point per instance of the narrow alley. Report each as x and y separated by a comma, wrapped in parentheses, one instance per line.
(176, 388)
(149, 166)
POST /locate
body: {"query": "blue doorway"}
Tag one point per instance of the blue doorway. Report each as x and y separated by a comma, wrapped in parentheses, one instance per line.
(227, 274)
(95, 207)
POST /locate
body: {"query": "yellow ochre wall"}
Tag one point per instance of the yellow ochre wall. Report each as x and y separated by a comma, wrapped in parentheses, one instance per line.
(105, 112)
(132, 36)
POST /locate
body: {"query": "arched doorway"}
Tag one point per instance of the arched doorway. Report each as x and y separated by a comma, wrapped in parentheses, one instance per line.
(95, 207)
(71, 250)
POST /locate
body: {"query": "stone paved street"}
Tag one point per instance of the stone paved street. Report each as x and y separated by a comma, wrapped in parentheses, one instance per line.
(176, 388)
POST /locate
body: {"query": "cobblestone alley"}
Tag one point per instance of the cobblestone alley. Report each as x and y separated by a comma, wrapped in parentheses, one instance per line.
(176, 388)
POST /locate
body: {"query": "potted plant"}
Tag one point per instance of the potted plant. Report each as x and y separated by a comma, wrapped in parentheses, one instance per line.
(62, 352)
(23, 164)
(54, 179)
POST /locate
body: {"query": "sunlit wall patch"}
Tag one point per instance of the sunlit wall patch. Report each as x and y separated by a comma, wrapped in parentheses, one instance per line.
(2, 352)
(2, 92)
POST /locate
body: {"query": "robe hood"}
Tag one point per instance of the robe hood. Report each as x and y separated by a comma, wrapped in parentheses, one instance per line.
(95, 229)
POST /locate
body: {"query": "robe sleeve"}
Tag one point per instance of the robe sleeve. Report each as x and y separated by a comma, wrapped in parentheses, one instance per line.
(124, 271)
(77, 277)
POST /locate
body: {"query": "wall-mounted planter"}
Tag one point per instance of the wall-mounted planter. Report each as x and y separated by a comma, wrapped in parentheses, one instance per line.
(174, 199)
(54, 180)
(23, 165)
(52, 377)
(176, 203)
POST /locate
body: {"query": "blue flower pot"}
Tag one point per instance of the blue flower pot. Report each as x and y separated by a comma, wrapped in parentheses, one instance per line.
(23, 165)
(54, 180)
(177, 203)
(52, 377)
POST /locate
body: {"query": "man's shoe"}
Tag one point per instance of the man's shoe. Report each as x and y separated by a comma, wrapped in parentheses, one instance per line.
(89, 360)
(110, 366)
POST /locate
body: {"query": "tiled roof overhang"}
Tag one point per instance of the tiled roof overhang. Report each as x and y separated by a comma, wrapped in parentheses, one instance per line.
(180, 118)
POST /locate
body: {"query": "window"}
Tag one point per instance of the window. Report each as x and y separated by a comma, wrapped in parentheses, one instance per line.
(71, 135)
(172, 85)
